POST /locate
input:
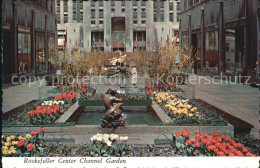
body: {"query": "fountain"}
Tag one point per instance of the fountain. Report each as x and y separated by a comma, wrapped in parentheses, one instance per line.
(113, 116)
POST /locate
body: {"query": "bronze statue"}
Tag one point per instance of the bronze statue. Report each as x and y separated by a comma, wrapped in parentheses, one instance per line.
(113, 117)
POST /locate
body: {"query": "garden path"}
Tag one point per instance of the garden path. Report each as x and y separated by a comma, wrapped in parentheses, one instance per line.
(238, 100)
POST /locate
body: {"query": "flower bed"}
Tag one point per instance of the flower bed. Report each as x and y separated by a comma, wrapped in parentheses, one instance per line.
(185, 111)
(128, 100)
(75, 88)
(105, 145)
(209, 145)
(43, 112)
(171, 87)
(32, 144)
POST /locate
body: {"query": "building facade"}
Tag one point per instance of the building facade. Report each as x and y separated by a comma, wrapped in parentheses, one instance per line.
(111, 25)
(225, 35)
(28, 35)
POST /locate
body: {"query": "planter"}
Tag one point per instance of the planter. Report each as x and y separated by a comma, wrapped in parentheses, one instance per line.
(126, 102)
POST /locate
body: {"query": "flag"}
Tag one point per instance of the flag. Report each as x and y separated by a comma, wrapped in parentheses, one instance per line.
(136, 39)
(65, 40)
(142, 39)
(168, 39)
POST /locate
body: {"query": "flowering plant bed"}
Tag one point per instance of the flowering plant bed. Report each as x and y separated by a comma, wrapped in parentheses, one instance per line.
(209, 145)
(44, 111)
(185, 111)
(32, 144)
(75, 88)
(172, 87)
(107, 145)
(128, 100)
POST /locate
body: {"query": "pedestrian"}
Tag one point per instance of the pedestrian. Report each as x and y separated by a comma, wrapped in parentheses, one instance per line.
(122, 71)
(134, 76)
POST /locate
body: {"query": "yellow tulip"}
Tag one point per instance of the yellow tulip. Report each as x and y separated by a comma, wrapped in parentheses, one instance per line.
(28, 136)
(12, 137)
(20, 137)
(189, 106)
(8, 139)
(12, 148)
(9, 152)
(2, 137)
(14, 142)
(5, 152)
(4, 148)
(193, 109)
(7, 144)
(190, 115)
(13, 151)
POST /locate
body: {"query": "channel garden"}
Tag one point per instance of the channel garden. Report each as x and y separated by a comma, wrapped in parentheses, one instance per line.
(160, 118)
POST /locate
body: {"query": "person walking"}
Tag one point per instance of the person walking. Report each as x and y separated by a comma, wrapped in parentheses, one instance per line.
(122, 71)
(134, 76)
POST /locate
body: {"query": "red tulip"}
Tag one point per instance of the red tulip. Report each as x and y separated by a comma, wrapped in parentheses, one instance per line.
(30, 146)
(244, 149)
(189, 142)
(42, 129)
(197, 145)
(177, 134)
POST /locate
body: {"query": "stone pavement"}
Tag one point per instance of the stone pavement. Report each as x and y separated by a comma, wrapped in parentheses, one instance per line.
(239, 100)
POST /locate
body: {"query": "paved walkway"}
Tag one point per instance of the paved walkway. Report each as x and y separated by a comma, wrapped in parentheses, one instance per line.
(239, 100)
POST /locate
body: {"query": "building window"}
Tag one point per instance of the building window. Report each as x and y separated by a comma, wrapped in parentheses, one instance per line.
(134, 3)
(51, 50)
(112, 3)
(135, 21)
(74, 17)
(93, 22)
(134, 14)
(101, 22)
(100, 3)
(162, 17)
(65, 18)
(24, 53)
(113, 9)
(123, 10)
(81, 16)
(92, 3)
(143, 14)
(178, 17)
(161, 4)
(171, 6)
(101, 14)
(171, 17)
(143, 3)
(154, 4)
(155, 17)
(40, 55)
(178, 6)
(211, 54)
(191, 3)
(93, 14)
(235, 42)
(58, 9)
(122, 3)
(74, 5)
(143, 22)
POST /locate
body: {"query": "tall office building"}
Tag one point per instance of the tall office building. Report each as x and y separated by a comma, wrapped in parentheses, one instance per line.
(112, 25)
